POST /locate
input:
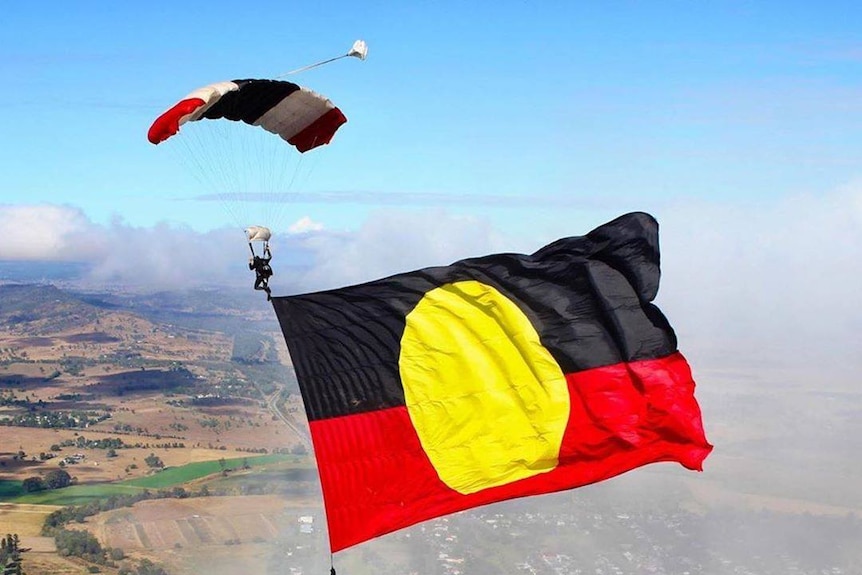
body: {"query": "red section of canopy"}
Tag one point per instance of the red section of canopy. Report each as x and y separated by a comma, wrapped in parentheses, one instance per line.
(376, 478)
(320, 131)
(168, 123)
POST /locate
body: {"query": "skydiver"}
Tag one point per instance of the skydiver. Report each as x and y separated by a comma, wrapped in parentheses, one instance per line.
(262, 270)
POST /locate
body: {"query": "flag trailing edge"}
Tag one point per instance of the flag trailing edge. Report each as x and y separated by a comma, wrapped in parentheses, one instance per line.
(495, 377)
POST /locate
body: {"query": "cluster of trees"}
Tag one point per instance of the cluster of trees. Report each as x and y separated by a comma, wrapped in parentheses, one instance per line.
(79, 513)
(9, 399)
(82, 442)
(126, 428)
(84, 545)
(111, 444)
(145, 567)
(80, 544)
(253, 449)
(10, 555)
(54, 479)
(154, 461)
(55, 419)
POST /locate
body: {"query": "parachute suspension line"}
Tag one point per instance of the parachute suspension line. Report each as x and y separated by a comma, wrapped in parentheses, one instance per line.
(310, 66)
(282, 202)
(248, 172)
(222, 158)
(207, 168)
(281, 173)
(281, 191)
(358, 50)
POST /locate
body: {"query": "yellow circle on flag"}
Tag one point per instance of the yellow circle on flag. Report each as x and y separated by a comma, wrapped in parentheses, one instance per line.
(488, 401)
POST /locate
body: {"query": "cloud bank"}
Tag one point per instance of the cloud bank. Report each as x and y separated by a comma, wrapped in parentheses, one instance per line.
(773, 283)
(740, 282)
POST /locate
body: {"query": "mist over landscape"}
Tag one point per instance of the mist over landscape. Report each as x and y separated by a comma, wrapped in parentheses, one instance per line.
(777, 383)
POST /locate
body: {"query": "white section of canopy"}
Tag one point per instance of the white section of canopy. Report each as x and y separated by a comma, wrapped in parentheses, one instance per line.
(295, 113)
(210, 95)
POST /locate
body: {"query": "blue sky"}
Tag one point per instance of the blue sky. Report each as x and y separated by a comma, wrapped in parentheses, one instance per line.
(597, 107)
(736, 124)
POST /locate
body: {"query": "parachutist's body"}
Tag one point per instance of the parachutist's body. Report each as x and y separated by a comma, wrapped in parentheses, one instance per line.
(262, 270)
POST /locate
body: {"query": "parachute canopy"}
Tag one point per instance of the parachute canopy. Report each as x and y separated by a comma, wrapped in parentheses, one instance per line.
(298, 115)
(258, 234)
(359, 50)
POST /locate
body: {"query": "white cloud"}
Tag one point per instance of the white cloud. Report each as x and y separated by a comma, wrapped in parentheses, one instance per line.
(43, 232)
(776, 279)
(161, 257)
(170, 257)
(173, 257)
(393, 241)
(303, 225)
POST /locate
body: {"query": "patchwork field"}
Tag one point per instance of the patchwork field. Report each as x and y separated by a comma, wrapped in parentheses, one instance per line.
(73, 372)
(25, 520)
(218, 534)
(98, 384)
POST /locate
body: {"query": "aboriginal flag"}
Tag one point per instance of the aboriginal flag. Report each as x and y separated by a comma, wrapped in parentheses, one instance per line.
(496, 377)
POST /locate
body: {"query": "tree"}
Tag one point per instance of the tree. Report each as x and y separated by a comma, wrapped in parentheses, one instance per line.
(10, 556)
(154, 460)
(57, 479)
(32, 484)
(147, 567)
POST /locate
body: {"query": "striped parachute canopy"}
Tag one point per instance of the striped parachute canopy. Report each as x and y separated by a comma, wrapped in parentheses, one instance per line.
(246, 169)
(298, 115)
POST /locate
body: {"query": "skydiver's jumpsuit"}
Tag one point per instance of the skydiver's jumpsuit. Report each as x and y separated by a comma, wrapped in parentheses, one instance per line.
(263, 272)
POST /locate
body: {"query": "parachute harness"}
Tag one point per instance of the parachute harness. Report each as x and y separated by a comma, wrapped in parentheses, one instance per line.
(260, 266)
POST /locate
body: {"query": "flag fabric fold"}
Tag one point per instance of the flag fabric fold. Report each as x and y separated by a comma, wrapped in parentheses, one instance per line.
(495, 377)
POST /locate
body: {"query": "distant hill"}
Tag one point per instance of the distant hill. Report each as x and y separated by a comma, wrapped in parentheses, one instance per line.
(41, 272)
(42, 308)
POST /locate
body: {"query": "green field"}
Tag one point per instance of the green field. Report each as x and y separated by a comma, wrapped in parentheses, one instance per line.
(179, 475)
(76, 494)
(11, 491)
